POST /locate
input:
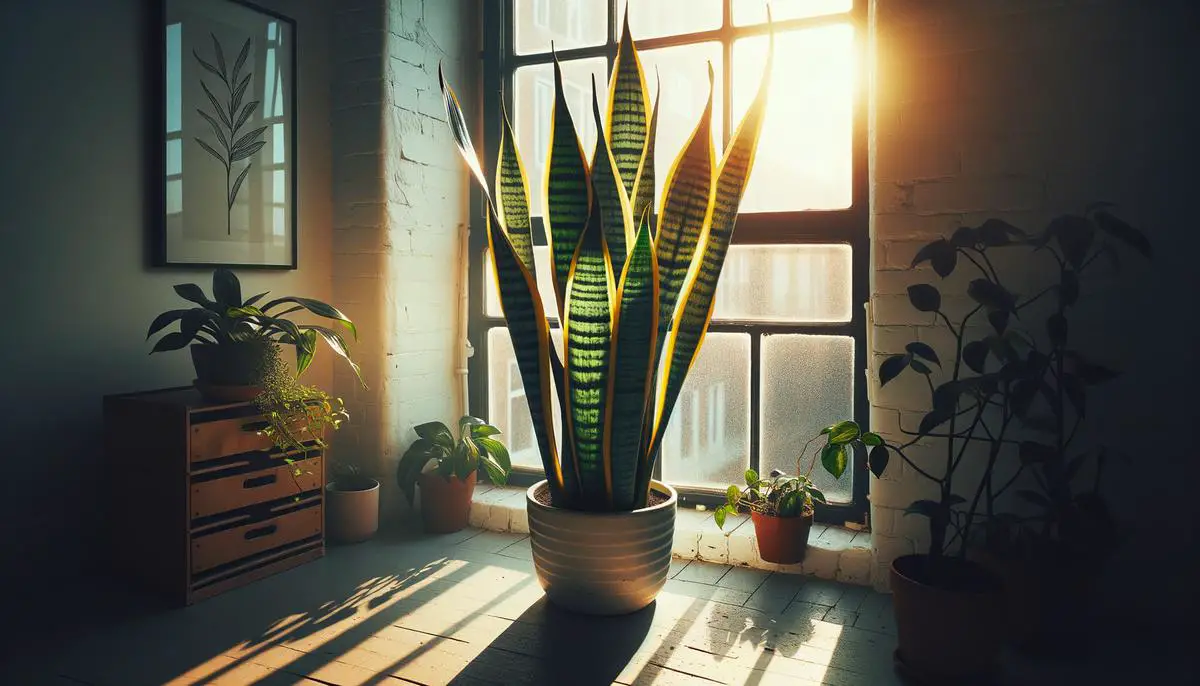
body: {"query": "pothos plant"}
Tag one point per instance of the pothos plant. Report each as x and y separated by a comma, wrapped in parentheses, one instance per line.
(475, 445)
(1020, 376)
(792, 495)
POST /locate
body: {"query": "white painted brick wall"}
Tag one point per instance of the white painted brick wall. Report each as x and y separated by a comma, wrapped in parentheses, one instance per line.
(401, 208)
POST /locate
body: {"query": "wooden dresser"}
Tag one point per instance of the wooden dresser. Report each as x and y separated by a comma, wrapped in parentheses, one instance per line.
(199, 502)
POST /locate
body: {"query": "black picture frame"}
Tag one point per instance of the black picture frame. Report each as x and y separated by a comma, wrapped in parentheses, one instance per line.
(173, 115)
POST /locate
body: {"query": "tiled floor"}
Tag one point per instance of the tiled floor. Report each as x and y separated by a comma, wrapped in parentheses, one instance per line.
(466, 609)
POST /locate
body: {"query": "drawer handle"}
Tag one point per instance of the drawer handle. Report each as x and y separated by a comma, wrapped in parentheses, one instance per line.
(261, 531)
(258, 481)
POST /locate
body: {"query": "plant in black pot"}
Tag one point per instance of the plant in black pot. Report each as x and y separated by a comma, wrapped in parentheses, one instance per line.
(230, 337)
(781, 506)
(446, 489)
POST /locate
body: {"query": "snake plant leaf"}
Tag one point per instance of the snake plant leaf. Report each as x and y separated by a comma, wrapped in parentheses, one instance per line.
(631, 371)
(530, 333)
(627, 107)
(615, 214)
(462, 136)
(643, 184)
(568, 190)
(691, 320)
(512, 194)
(685, 206)
(587, 328)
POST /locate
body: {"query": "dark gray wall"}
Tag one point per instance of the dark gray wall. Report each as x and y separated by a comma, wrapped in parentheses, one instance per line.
(78, 296)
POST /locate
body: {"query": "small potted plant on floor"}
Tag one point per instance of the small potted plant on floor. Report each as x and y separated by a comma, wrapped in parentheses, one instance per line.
(445, 469)
(781, 506)
(351, 504)
(635, 301)
(230, 337)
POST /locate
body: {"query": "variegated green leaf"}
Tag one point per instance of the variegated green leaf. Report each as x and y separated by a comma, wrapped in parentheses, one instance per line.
(586, 331)
(627, 108)
(631, 367)
(512, 195)
(568, 189)
(530, 335)
(691, 320)
(685, 205)
(643, 185)
(614, 202)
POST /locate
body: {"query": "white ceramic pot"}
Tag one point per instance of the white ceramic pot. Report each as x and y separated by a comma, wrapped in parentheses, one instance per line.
(602, 563)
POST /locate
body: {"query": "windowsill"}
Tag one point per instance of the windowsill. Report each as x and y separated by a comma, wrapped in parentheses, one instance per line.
(833, 552)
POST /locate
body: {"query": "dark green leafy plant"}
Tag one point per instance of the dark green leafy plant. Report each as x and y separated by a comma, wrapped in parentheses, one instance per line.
(227, 319)
(1013, 378)
(475, 445)
(231, 115)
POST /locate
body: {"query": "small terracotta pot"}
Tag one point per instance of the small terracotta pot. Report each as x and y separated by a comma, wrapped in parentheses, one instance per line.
(782, 540)
(352, 509)
(949, 627)
(445, 502)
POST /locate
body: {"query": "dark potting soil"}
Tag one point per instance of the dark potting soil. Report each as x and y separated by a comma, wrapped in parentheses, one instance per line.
(542, 495)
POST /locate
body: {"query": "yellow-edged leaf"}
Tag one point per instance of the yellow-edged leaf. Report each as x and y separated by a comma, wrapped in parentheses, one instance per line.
(615, 214)
(627, 107)
(512, 195)
(643, 185)
(568, 189)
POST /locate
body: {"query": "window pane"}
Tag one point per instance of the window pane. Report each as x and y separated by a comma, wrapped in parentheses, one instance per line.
(653, 18)
(804, 156)
(707, 442)
(533, 101)
(507, 408)
(545, 281)
(568, 23)
(755, 11)
(807, 383)
(684, 90)
(785, 283)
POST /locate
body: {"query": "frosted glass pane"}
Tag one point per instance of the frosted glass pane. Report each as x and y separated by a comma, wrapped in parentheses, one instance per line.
(653, 18)
(533, 102)
(755, 11)
(707, 442)
(568, 23)
(804, 156)
(683, 72)
(545, 281)
(508, 409)
(807, 383)
(785, 283)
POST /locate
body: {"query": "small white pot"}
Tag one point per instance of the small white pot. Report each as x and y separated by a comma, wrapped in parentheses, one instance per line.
(602, 563)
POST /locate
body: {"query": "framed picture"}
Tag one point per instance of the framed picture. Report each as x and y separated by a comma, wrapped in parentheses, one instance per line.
(228, 153)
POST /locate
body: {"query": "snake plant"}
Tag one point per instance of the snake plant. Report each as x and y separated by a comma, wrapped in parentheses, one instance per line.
(634, 288)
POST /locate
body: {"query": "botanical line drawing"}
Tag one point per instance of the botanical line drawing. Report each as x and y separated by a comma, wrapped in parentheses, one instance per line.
(231, 116)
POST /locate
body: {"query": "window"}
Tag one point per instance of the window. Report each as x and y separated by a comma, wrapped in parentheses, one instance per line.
(785, 355)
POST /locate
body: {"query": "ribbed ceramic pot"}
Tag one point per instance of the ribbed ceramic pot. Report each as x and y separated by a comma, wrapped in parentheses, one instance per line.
(602, 563)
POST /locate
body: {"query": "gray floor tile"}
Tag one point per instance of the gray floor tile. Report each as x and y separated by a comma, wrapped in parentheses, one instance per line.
(702, 572)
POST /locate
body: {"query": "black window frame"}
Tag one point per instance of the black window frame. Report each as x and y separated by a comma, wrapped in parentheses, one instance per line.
(848, 226)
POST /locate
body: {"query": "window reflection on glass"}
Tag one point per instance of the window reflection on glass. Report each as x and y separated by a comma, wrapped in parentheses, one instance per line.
(533, 102)
(707, 442)
(565, 23)
(807, 383)
(755, 11)
(785, 283)
(804, 155)
(654, 18)
(683, 73)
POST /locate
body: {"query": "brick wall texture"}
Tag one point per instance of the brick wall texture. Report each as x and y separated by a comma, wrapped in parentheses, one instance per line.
(1023, 110)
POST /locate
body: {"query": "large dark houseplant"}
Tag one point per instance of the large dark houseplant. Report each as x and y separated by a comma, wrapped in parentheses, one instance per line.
(230, 337)
(634, 290)
(1013, 395)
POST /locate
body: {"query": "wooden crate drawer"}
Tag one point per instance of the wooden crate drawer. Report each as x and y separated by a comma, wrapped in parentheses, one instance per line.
(233, 544)
(237, 491)
(225, 437)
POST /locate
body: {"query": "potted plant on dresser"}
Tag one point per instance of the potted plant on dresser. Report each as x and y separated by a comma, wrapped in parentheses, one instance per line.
(781, 506)
(635, 301)
(297, 418)
(229, 337)
(445, 468)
